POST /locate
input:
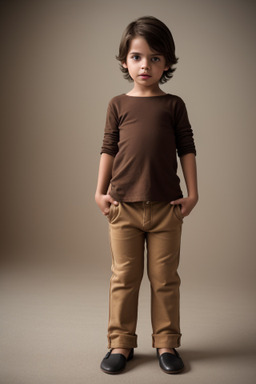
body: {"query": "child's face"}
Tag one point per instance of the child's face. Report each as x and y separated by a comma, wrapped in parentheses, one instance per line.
(142, 60)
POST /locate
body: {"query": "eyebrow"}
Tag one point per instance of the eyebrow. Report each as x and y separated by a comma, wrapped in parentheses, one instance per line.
(138, 53)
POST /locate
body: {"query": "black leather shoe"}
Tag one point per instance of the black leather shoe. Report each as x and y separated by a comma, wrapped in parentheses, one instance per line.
(116, 362)
(170, 363)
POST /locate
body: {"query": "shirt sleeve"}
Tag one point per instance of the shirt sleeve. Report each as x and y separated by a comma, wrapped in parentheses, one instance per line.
(111, 132)
(183, 132)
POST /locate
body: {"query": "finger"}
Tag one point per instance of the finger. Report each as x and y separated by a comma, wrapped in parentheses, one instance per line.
(183, 212)
(105, 210)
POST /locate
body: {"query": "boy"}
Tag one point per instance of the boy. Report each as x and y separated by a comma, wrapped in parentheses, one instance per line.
(139, 191)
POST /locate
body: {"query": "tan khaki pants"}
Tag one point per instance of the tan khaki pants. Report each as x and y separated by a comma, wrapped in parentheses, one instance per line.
(131, 226)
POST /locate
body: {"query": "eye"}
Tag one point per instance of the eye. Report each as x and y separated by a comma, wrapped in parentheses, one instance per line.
(136, 57)
(155, 59)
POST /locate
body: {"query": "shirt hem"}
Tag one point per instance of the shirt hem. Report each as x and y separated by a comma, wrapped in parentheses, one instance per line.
(143, 198)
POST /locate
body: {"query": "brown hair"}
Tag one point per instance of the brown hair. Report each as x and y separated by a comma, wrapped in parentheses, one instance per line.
(158, 37)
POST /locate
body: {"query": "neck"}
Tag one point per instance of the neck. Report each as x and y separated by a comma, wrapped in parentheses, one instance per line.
(145, 91)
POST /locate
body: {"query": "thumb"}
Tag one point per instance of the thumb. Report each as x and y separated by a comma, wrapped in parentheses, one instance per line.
(112, 201)
(176, 202)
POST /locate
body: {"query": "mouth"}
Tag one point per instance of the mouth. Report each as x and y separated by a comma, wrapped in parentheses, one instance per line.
(144, 76)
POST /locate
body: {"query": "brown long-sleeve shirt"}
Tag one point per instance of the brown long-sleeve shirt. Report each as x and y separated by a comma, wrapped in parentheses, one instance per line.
(145, 134)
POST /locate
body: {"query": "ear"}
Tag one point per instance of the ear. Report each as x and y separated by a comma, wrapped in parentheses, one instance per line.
(124, 64)
(167, 67)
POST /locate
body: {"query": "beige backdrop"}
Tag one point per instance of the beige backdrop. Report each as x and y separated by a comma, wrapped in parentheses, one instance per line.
(59, 71)
(58, 74)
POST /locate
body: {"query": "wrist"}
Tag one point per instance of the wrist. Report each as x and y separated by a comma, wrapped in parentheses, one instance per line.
(98, 196)
(193, 197)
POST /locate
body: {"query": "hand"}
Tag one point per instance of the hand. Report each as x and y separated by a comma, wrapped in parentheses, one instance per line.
(104, 202)
(187, 204)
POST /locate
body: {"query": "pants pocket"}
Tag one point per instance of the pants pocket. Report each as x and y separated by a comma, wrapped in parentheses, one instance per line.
(177, 212)
(113, 211)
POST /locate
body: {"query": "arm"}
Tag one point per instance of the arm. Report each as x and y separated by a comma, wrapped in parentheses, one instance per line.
(188, 164)
(102, 198)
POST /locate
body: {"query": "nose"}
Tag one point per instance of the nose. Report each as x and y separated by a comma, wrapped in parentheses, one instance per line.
(145, 64)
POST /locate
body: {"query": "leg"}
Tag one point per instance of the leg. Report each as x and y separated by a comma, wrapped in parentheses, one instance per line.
(163, 247)
(127, 247)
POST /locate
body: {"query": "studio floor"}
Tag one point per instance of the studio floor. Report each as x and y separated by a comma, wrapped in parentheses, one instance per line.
(54, 320)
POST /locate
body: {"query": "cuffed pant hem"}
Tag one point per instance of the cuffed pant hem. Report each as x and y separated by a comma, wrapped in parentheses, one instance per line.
(122, 341)
(166, 340)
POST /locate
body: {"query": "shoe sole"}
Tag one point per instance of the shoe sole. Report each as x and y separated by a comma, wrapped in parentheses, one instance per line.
(172, 372)
(112, 373)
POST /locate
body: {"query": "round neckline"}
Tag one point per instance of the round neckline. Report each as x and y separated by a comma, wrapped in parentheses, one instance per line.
(146, 97)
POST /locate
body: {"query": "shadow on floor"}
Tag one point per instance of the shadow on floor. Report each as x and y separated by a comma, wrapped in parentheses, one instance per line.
(215, 354)
(190, 356)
